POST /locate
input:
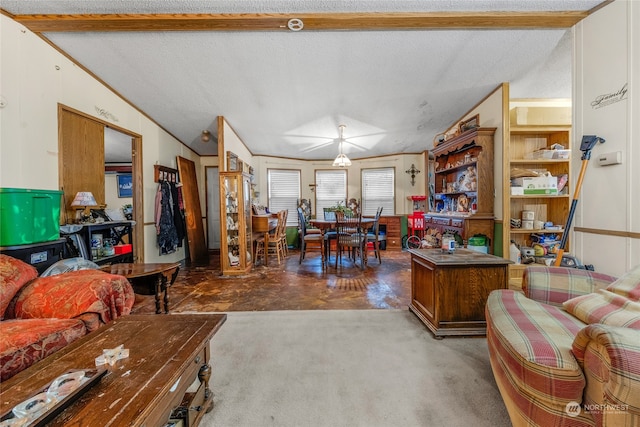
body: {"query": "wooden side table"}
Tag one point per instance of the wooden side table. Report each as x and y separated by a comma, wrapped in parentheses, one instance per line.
(449, 291)
(149, 279)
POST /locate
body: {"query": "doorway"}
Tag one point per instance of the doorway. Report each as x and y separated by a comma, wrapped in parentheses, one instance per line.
(213, 206)
(81, 165)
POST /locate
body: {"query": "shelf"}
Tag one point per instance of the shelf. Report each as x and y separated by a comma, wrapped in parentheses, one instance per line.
(544, 231)
(455, 168)
(523, 143)
(455, 193)
(542, 196)
(529, 161)
(113, 259)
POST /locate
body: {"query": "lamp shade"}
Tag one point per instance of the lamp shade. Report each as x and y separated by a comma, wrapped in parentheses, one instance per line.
(84, 198)
(342, 161)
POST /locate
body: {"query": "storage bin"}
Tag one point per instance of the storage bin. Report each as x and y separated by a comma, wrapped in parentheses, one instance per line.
(29, 216)
(123, 249)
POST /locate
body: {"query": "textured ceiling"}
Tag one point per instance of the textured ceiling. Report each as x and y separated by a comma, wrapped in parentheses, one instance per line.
(285, 93)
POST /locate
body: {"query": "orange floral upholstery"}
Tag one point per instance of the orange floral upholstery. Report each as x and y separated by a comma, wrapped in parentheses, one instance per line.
(13, 276)
(41, 315)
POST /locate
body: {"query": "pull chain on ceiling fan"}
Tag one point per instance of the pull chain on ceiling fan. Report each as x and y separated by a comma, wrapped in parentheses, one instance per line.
(341, 160)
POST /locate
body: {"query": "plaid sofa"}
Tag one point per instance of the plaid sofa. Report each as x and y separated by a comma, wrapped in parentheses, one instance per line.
(566, 351)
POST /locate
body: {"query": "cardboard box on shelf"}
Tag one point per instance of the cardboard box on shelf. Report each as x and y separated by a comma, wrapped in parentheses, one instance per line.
(550, 154)
(538, 185)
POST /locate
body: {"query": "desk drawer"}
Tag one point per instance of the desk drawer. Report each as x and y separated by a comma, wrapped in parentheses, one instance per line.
(441, 221)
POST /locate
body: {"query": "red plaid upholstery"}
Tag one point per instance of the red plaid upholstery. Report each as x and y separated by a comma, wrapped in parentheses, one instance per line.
(554, 370)
(605, 307)
(610, 357)
(555, 285)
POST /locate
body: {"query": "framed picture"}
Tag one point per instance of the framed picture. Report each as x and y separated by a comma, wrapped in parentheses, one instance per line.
(232, 162)
(125, 185)
(470, 123)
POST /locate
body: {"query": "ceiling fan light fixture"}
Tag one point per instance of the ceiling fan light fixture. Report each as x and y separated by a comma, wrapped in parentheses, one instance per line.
(341, 160)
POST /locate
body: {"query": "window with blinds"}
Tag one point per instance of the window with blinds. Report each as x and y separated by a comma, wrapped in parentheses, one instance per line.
(378, 190)
(284, 192)
(331, 188)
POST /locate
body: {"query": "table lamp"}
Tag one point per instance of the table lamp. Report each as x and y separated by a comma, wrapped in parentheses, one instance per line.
(84, 200)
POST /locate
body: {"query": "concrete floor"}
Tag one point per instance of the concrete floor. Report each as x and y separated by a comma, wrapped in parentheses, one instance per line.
(291, 286)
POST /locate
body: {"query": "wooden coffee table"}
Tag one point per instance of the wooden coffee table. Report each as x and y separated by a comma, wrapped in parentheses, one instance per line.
(148, 279)
(166, 355)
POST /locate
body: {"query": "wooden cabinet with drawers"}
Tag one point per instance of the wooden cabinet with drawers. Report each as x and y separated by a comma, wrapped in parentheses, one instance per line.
(393, 229)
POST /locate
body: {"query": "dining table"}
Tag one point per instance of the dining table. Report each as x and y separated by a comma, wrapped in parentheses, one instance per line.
(331, 224)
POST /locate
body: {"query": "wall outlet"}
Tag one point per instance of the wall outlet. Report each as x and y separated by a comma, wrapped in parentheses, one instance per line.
(610, 158)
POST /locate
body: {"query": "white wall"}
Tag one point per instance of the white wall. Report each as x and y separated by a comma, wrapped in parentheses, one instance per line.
(400, 162)
(607, 222)
(34, 78)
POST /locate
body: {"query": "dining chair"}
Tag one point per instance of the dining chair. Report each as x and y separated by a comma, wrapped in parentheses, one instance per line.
(283, 234)
(277, 243)
(309, 240)
(373, 236)
(330, 234)
(350, 236)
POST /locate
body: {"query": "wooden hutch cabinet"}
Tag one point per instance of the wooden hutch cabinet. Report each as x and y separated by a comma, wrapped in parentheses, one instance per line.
(235, 218)
(464, 186)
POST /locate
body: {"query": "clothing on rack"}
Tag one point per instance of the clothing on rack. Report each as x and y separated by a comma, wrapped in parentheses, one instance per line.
(178, 211)
(167, 234)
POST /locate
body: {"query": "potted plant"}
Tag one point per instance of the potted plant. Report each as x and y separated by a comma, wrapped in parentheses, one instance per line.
(341, 207)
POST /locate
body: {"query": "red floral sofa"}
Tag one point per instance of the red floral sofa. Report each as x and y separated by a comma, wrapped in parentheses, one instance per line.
(41, 315)
(566, 352)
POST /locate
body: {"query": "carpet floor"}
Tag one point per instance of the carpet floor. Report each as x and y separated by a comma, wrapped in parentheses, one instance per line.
(348, 368)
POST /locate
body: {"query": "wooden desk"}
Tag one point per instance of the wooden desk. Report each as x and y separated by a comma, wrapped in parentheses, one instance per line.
(264, 224)
(166, 355)
(449, 291)
(148, 279)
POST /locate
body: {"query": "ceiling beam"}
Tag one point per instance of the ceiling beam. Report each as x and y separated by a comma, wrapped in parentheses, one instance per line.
(312, 21)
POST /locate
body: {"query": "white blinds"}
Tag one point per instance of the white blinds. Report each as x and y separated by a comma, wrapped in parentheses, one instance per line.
(284, 192)
(378, 191)
(331, 188)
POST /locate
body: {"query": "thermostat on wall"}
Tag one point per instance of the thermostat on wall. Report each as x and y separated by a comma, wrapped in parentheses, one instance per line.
(610, 158)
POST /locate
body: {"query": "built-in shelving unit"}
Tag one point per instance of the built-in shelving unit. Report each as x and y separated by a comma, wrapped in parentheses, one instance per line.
(533, 129)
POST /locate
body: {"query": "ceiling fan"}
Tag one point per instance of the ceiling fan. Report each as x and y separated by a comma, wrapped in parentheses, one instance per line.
(340, 140)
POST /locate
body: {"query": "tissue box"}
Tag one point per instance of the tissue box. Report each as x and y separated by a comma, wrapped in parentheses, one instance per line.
(538, 184)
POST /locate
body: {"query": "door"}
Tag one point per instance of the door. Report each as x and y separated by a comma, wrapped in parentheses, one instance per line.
(81, 159)
(193, 213)
(213, 207)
